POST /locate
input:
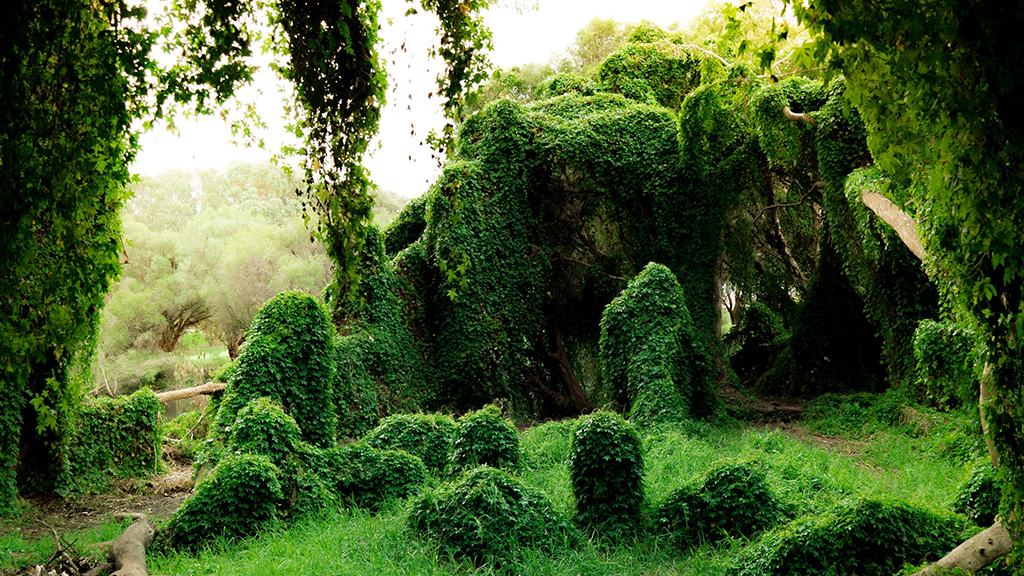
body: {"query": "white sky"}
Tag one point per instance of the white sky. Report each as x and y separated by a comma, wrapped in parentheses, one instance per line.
(399, 162)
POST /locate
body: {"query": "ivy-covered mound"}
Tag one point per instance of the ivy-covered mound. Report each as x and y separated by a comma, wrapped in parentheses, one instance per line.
(606, 465)
(381, 367)
(427, 436)
(732, 499)
(288, 357)
(864, 537)
(487, 515)
(502, 272)
(484, 438)
(650, 355)
(113, 437)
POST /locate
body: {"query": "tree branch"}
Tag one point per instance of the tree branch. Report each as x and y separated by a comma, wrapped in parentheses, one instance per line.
(901, 222)
(208, 388)
(798, 117)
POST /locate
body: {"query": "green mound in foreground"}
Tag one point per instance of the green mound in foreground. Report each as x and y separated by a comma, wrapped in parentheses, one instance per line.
(864, 537)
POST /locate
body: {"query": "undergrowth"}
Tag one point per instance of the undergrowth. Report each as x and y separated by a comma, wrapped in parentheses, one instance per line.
(814, 480)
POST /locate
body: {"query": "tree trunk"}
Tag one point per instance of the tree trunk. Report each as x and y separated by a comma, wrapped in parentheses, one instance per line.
(128, 551)
(974, 554)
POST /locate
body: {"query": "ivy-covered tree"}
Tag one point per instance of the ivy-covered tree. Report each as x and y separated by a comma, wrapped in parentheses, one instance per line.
(77, 78)
(939, 88)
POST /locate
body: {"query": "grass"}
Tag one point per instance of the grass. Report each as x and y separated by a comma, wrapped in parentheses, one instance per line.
(805, 471)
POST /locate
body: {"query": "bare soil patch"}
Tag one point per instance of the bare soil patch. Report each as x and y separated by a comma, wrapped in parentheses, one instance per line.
(159, 496)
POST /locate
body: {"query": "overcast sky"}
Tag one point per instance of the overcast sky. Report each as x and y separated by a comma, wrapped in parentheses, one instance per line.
(399, 162)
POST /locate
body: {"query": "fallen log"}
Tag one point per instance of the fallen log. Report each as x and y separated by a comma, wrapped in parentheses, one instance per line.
(127, 554)
(208, 388)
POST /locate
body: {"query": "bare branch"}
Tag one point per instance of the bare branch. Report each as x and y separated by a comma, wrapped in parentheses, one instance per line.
(798, 117)
(706, 52)
(894, 216)
(208, 388)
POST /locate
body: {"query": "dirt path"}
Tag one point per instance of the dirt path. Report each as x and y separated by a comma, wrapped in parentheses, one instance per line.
(159, 496)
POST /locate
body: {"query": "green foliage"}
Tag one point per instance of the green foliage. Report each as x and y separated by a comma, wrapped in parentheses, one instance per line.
(487, 515)
(651, 356)
(289, 358)
(547, 445)
(781, 139)
(379, 365)
(854, 415)
(977, 497)
(238, 499)
(945, 364)
(112, 438)
(650, 69)
(426, 436)
(367, 477)
(407, 227)
(732, 499)
(70, 94)
(186, 431)
(934, 93)
(262, 427)
(868, 537)
(606, 464)
(485, 438)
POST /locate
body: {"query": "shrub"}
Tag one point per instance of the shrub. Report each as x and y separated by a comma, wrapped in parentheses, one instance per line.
(945, 366)
(367, 477)
(114, 437)
(864, 537)
(186, 431)
(487, 514)
(428, 436)
(606, 467)
(262, 427)
(485, 438)
(977, 497)
(289, 357)
(238, 499)
(733, 499)
(650, 353)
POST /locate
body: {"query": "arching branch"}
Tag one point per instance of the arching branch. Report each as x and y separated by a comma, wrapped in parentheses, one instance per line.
(707, 52)
(901, 222)
(798, 117)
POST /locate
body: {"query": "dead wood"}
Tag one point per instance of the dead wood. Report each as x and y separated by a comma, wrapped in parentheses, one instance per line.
(208, 388)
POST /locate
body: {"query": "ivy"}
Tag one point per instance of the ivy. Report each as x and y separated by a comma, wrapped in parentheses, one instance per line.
(606, 466)
(289, 358)
(650, 355)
